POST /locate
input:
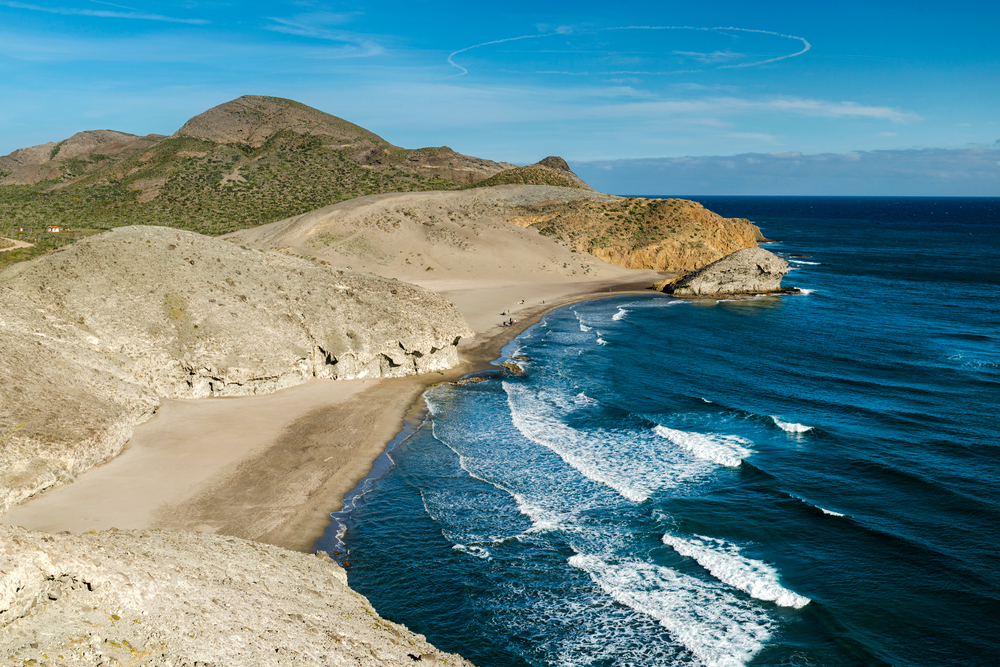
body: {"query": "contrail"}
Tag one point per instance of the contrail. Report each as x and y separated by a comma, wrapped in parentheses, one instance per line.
(495, 41)
(806, 45)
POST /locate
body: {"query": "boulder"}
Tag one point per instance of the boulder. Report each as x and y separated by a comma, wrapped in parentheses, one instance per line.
(747, 271)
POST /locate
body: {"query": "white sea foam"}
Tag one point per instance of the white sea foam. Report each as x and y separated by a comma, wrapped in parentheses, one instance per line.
(583, 399)
(543, 520)
(799, 261)
(726, 450)
(790, 427)
(719, 628)
(806, 292)
(479, 552)
(624, 460)
(620, 314)
(811, 504)
(583, 327)
(601, 341)
(725, 562)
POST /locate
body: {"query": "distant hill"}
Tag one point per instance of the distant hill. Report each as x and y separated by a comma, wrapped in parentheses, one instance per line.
(247, 162)
(550, 171)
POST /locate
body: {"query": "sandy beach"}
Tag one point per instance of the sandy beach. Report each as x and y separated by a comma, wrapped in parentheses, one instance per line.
(271, 468)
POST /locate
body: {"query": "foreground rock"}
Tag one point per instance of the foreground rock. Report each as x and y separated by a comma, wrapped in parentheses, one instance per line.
(181, 599)
(747, 271)
(94, 333)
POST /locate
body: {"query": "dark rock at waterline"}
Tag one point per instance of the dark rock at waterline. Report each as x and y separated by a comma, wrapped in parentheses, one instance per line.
(510, 368)
(747, 271)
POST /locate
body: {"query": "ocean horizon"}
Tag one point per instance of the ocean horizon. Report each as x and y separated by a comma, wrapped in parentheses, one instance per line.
(795, 480)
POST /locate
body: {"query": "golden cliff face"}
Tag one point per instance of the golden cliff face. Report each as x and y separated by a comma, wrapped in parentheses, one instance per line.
(659, 234)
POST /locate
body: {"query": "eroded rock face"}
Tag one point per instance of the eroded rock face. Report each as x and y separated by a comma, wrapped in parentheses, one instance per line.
(164, 598)
(747, 271)
(92, 334)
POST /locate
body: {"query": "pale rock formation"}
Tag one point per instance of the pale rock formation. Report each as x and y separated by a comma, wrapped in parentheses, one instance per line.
(91, 335)
(747, 271)
(184, 599)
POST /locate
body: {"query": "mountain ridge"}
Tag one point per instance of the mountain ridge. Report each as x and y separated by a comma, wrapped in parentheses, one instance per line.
(243, 163)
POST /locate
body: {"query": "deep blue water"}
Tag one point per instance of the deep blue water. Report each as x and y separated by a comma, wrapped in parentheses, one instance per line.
(800, 480)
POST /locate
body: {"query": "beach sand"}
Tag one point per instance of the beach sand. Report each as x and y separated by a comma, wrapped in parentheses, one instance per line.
(272, 468)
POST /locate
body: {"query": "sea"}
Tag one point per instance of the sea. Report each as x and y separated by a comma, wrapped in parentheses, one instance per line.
(799, 480)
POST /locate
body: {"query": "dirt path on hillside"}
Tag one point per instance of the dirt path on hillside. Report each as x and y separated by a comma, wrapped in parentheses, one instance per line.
(17, 244)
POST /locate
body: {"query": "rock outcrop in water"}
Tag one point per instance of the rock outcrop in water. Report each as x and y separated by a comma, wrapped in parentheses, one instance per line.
(747, 271)
(185, 599)
(93, 334)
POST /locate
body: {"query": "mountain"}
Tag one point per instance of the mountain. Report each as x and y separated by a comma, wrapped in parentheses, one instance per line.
(247, 162)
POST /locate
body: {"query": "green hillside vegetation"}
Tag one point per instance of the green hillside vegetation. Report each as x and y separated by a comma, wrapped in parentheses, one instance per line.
(200, 186)
(526, 176)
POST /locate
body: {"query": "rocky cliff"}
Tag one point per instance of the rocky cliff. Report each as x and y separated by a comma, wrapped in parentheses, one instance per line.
(93, 333)
(637, 233)
(748, 271)
(186, 599)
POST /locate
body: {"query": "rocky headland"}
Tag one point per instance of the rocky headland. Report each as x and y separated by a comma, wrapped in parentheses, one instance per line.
(747, 271)
(95, 333)
(637, 233)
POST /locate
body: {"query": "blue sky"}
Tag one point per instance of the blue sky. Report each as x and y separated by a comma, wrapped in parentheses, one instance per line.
(608, 88)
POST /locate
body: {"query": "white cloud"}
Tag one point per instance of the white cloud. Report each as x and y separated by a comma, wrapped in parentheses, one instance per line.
(754, 136)
(101, 13)
(713, 57)
(316, 25)
(734, 105)
(911, 172)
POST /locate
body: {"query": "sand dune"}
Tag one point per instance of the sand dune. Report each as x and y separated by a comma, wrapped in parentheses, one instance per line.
(439, 240)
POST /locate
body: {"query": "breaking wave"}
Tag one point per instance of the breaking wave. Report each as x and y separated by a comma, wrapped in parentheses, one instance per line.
(726, 450)
(718, 627)
(725, 562)
(790, 427)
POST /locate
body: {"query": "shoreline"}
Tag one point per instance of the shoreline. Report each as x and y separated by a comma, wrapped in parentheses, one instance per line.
(479, 359)
(273, 468)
